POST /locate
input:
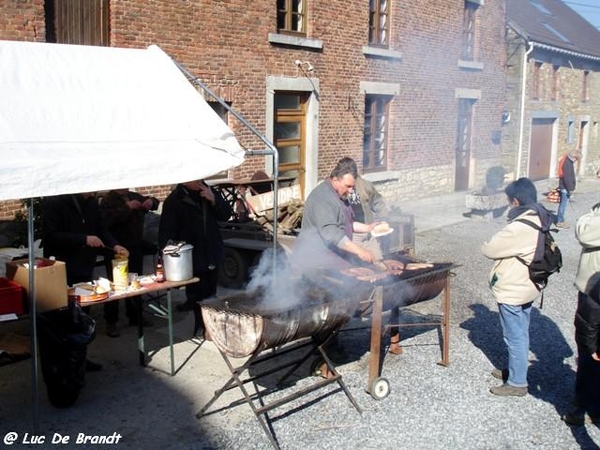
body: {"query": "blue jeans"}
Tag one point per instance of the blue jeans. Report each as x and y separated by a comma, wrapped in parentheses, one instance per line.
(515, 331)
(562, 207)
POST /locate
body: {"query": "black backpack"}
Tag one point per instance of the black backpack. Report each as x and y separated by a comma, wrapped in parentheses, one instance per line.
(550, 262)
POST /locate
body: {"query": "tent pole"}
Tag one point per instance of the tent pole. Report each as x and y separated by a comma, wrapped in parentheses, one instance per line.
(33, 319)
(271, 149)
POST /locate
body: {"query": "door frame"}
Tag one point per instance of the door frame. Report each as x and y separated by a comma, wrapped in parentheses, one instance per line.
(311, 154)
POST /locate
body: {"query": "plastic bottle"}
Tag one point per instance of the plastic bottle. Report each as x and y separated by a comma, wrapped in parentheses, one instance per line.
(160, 270)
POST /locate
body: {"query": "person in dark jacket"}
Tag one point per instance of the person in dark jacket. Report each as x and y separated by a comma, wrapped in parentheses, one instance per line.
(586, 405)
(73, 232)
(123, 212)
(566, 184)
(191, 213)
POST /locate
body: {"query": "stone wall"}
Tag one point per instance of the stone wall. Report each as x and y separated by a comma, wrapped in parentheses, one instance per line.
(568, 104)
(230, 46)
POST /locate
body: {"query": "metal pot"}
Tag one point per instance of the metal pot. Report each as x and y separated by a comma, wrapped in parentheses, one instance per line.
(178, 265)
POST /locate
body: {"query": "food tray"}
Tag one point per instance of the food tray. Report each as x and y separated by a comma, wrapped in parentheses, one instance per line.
(91, 297)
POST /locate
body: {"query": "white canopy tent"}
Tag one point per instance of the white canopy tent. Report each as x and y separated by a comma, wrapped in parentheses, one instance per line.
(82, 118)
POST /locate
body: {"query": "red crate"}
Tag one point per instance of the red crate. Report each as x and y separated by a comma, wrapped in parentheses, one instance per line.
(11, 297)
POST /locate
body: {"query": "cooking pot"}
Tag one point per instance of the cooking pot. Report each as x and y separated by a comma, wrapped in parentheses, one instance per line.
(178, 263)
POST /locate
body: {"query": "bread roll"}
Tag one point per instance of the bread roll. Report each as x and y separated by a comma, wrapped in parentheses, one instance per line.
(382, 227)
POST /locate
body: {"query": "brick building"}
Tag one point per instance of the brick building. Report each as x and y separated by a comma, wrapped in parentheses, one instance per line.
(414, 91)
(553, 89)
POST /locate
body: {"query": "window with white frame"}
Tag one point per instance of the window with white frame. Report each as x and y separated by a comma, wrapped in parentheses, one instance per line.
(570, 130)
(555, 83)
(379, 23)
(375, 136)
(585, 92)
(469, 38)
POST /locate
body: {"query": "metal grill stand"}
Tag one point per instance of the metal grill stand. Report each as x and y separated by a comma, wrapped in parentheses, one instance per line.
(378, 386)
(257, 403)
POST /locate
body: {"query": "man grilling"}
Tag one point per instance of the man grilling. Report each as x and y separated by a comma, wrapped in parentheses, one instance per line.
(325, 238)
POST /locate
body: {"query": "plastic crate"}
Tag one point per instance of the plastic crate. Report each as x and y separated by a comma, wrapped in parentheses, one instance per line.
(11, 297)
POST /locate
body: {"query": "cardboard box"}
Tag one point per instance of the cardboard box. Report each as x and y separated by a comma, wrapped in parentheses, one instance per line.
(12, 299)
(50, 281)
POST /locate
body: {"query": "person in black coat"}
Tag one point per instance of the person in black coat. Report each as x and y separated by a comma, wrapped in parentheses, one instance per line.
(191, 213)
(123, 212)
(587, 382)
(73, 232)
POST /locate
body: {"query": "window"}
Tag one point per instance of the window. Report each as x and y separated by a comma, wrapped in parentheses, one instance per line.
(555, 83)
(540, 7)
(375, 136)
(289, 133)
(82, 22)
(463, 143)
(291, 16)
(379, 23)
(585, 92)
(468, 43)
(536, 83)
(570, 130)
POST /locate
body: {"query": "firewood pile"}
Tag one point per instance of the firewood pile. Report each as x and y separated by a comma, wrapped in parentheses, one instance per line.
(289, 217)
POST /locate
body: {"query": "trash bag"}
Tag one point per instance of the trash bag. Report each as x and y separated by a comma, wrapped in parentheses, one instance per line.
(63, 337)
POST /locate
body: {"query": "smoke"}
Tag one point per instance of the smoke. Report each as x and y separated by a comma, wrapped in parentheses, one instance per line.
(278, 284)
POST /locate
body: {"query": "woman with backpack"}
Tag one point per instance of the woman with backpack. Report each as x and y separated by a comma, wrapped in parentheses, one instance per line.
(512, 249)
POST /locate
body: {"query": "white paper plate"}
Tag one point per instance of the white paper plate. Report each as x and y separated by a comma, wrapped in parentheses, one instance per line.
(385, 233)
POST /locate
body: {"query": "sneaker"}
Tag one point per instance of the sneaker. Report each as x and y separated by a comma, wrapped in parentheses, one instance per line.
(563, 225)
(578, 418)
(500, 374)
(112, 330)
(506, 390)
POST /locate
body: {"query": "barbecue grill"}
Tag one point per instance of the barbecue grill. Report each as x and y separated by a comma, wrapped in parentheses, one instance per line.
(247, 325)
(390, 292)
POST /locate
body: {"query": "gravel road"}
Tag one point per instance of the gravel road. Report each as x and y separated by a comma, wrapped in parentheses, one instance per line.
(429, 406)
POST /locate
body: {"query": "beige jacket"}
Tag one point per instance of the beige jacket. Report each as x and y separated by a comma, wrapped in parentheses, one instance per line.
(509, 277)
(587, 232)
(372, 202)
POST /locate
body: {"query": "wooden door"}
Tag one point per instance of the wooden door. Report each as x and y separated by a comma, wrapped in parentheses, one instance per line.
(540, 149)
(290, 134)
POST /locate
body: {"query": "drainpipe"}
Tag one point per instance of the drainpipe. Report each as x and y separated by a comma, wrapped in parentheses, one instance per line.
(522, 112)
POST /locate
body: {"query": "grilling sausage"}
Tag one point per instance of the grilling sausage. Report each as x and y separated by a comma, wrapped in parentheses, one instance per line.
(358, 272)
(374, 277)
(393, 265)
(416, 266)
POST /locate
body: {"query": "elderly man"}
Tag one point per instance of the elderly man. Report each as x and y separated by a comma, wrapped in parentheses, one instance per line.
(325, 238)
(567, 182)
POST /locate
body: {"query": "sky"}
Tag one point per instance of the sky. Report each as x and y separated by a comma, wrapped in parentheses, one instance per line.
(589, 9)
